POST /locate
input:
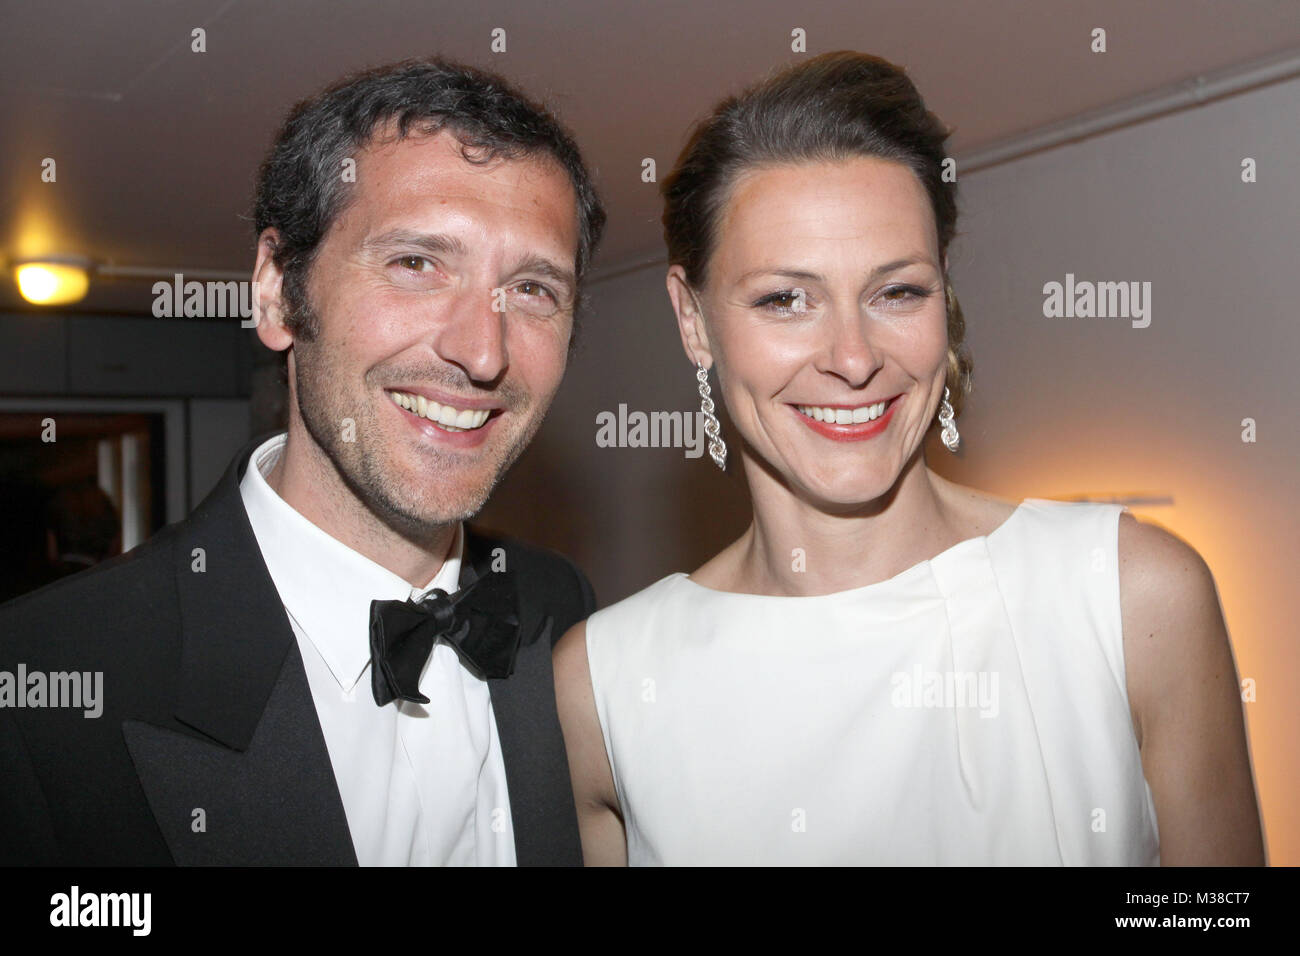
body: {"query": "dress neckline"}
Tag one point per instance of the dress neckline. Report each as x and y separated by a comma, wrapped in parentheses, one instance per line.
(901, 577)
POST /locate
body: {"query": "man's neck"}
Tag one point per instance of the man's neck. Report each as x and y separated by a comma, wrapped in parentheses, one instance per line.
(307, 480)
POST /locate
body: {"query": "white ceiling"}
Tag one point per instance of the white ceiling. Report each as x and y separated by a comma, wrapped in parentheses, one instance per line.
(157, 146)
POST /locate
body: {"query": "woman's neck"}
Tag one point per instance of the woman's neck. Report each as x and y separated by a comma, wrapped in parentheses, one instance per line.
(794, 547)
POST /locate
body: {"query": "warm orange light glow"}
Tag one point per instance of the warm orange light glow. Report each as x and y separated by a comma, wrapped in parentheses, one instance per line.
(52, 283)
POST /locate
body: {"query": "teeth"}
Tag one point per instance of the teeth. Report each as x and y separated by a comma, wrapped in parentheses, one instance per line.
(844, 416)
(452, 419)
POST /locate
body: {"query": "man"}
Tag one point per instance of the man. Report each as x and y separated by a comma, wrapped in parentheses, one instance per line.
(322, 664)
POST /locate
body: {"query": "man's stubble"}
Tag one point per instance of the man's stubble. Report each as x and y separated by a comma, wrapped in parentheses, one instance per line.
(362, 467)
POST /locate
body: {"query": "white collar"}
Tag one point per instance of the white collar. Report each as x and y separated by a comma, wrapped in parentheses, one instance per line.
(325, 586)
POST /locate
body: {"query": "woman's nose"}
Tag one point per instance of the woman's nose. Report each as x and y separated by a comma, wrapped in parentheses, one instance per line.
(850, 352)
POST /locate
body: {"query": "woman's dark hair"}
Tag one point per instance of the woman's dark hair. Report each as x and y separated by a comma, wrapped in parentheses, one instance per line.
(301, 189)
(831, 107)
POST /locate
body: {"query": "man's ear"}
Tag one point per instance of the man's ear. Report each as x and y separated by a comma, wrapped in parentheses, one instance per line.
(268, 302)
(690, 321)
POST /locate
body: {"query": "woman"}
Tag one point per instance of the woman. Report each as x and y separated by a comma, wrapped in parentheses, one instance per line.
(886, 667)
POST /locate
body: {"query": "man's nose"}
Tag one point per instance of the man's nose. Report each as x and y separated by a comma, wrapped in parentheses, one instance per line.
(473, 335)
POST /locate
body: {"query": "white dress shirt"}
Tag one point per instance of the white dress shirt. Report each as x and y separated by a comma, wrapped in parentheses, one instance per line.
(422, 784)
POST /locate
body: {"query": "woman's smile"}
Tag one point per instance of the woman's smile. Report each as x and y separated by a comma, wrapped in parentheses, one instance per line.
(848, 422)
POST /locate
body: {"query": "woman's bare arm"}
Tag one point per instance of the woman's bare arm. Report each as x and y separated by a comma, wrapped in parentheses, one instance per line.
(1186, 702)
(600, 822)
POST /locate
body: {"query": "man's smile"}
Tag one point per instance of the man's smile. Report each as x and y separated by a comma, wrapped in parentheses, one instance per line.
(446, 416)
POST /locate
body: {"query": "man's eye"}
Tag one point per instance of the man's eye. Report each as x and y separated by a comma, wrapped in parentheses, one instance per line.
(413, 263)
(529, 287)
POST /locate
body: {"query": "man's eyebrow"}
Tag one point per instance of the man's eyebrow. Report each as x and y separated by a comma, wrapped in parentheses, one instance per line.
(437, 244)
(539, 265)
(883, 269)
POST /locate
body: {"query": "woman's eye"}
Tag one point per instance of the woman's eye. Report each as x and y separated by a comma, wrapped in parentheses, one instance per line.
(904, 293)
(787, 300)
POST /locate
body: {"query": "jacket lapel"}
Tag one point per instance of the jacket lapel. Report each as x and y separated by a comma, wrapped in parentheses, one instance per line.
(537, 777)
(248, 752)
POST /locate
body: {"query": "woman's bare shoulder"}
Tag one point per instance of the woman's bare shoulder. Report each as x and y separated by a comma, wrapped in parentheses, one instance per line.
(1186, 701)
(1172, 621)
(1157, 564)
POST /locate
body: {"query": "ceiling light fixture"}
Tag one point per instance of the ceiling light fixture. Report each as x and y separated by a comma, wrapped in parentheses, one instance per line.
(53, 280)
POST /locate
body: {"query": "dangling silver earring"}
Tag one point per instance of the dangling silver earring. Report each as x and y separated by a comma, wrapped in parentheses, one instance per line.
(717, 447)
(950, 438)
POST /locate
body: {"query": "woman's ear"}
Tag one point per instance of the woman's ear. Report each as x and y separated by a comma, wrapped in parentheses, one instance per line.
(690, 321)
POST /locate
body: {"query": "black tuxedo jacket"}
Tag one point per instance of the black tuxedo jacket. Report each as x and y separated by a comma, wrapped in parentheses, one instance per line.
(208, 750)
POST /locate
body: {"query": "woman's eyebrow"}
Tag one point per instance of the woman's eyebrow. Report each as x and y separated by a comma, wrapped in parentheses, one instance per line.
(883, 269)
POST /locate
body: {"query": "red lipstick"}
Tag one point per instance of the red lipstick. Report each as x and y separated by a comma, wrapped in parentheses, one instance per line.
(853, 432)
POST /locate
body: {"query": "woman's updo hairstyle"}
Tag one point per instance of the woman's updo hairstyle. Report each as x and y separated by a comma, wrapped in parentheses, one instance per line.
(831, 107)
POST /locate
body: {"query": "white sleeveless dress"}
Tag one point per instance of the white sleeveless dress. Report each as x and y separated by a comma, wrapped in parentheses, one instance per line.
(970, 710)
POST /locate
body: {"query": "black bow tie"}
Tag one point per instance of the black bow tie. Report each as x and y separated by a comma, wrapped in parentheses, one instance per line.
(480, 622)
